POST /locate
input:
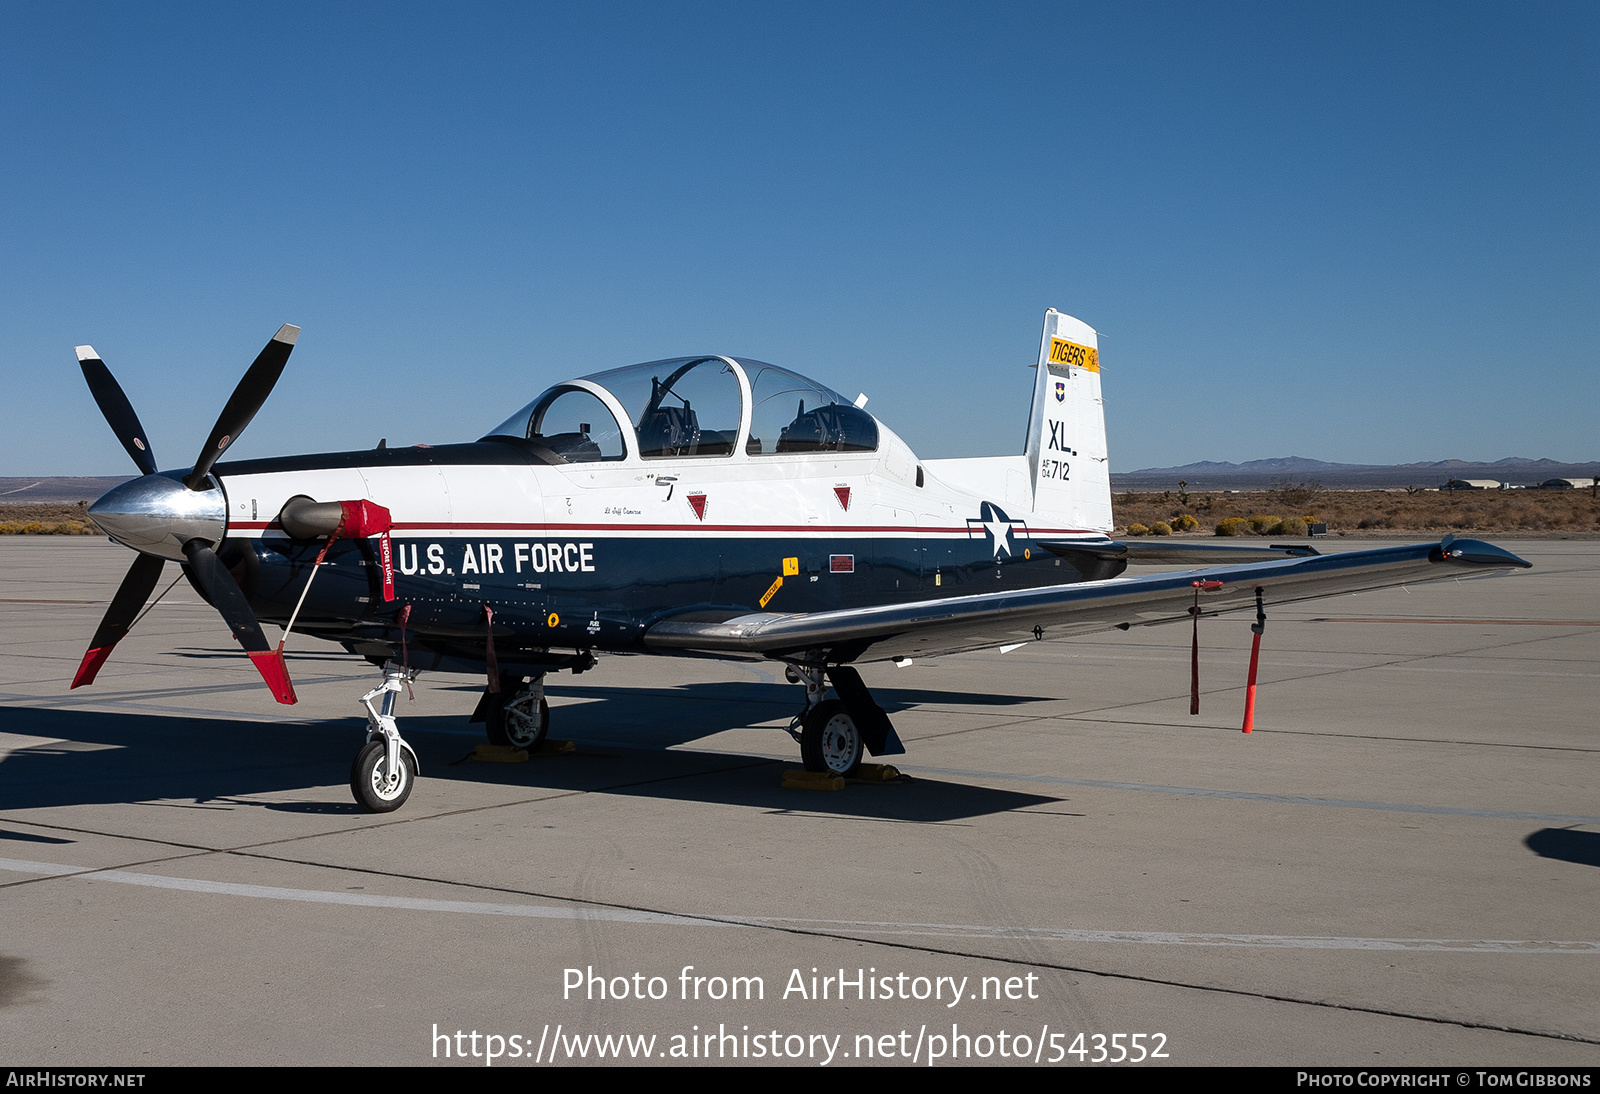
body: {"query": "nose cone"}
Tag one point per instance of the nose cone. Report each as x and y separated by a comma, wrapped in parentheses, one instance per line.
(157, 514)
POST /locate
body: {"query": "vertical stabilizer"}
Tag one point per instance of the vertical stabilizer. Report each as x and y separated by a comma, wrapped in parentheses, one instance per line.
(1067, 456)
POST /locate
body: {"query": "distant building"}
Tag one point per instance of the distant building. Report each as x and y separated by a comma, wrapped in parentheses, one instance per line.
(1567, 484)
(1472, 484)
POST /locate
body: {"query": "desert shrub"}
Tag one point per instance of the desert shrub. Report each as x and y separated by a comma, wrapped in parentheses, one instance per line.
(1185, 523)
(1232, 526)
(1138, 530)
(1382, 511)
(1294, 493)
(1293, 526)
(1161, 528)
(46, 528)
(1263, 525)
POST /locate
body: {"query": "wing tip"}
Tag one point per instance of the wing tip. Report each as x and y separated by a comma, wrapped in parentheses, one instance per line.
(287, 334)
(86, 353)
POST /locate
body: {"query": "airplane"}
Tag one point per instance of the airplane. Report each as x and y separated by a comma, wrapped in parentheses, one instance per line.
(703, 506)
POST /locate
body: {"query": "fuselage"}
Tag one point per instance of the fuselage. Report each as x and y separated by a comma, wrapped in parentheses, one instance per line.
(587, 556)
(694, 488)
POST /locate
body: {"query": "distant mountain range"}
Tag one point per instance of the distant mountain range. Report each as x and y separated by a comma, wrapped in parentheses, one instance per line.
(1255, 474)
(55, 489)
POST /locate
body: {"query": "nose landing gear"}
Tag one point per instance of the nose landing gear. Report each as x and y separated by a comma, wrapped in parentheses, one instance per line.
(385, 769)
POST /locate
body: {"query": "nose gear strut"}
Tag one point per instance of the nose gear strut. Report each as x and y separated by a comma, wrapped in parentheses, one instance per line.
(386, 766)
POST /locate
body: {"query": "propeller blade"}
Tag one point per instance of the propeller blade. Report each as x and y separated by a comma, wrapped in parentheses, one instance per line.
(131, 595)
(114, 404)
(225, 595)
(244, 402)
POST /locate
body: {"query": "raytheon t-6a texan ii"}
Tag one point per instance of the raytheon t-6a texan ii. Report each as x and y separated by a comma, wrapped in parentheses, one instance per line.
(699, 506)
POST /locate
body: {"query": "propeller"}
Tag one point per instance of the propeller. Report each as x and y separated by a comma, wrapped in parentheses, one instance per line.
(225, 595)
(246, 399)
(131, 595)
(114, 404)
(155, 515)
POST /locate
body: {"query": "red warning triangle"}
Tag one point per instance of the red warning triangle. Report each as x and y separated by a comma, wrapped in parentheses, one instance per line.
(843, 494)
(697, 502)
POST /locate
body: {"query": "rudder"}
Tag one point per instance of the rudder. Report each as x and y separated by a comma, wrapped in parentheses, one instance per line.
(1066, 454)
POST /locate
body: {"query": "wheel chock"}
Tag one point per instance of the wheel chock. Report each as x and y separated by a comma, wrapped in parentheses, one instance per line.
(811, 780)
(875, 773)
(511, 754)
(500, 754)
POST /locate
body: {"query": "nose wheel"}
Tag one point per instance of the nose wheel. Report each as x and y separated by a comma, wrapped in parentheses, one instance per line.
(385, 769)
(376, 789)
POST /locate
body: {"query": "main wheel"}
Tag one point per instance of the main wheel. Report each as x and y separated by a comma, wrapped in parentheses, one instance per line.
(519, 721)
(373, 791)
(830, 740)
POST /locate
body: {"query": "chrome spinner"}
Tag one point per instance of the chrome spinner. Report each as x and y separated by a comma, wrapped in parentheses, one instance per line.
(157, 514)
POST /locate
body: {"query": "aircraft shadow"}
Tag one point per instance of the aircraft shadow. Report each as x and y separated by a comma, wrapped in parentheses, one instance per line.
(31, 837)
(783, 698)
(674, 717)
(111, 758)
(1566, 844)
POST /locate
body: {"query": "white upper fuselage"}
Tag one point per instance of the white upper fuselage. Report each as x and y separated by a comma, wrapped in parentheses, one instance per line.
(739, 493)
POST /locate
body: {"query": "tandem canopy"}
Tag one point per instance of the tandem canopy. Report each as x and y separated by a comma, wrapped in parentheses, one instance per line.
(689, 407)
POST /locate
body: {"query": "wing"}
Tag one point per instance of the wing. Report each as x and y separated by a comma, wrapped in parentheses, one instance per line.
(951, 625)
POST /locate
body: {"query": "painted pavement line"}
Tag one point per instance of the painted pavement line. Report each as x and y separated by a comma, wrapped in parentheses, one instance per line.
(365, 900)
(831, 926)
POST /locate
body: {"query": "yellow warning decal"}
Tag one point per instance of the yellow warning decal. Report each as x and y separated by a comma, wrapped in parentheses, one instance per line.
(772, 590)
(554, 620)
(791, 567)
(1063, 352)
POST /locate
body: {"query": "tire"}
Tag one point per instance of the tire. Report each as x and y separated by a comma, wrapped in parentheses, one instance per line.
(515, 722)
(830, 740)
(368, 785)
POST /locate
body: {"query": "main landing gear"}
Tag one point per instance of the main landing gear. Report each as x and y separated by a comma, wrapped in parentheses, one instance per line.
(386, 768)
(517, 714)
(835, 734)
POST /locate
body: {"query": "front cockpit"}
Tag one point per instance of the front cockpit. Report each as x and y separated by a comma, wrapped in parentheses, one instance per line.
(689, 407)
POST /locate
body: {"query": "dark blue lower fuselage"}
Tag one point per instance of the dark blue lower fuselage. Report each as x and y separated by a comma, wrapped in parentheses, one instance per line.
(589, 592)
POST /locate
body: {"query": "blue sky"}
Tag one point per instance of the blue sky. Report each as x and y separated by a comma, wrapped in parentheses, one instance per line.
(1356, 232)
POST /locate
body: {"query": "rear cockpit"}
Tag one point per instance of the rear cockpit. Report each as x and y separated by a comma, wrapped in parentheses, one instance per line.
(689, 407)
